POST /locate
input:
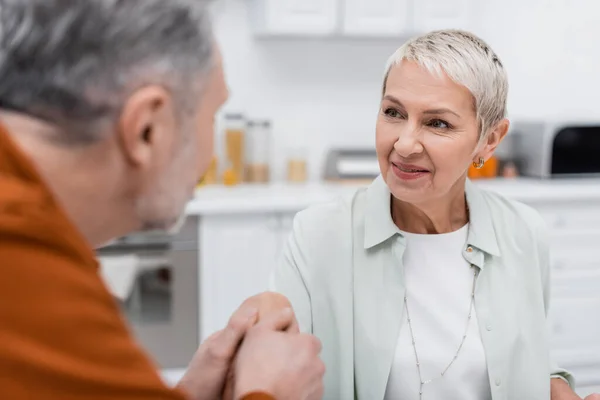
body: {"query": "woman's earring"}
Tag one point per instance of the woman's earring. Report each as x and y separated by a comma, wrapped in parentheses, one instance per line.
(479, 163)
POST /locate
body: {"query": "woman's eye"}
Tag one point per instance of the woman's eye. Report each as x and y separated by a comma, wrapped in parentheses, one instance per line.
(439, 124)
(390, 112)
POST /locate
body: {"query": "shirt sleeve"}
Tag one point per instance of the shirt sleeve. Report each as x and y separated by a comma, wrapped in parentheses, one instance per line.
(287, 278)
(544, 257)
(61, 333)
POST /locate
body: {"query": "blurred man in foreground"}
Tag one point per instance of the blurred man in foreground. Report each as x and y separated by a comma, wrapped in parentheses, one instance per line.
(106, 125)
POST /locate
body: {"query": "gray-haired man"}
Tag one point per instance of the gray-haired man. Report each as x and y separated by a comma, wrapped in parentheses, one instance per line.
(107, 111)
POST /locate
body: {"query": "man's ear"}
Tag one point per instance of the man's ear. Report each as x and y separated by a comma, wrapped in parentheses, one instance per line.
(144, 116)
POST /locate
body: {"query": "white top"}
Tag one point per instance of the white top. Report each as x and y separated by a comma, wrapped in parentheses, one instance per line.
(439, 283)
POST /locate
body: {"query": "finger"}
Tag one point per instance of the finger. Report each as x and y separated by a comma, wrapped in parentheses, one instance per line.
(239, 323)
(314, 342)
(278, 321)
(225, 344)
(294, 327)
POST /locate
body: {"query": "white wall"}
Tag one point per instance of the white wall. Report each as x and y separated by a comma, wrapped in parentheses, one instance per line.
(323, 93)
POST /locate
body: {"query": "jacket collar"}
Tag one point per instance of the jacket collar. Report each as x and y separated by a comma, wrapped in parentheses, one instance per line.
(379, 226)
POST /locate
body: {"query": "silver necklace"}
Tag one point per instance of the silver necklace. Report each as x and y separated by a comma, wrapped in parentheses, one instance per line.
(423, 382)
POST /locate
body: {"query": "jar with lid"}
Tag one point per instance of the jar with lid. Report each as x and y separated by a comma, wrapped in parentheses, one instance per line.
(297, 165)
(235, 130)
(258, 154)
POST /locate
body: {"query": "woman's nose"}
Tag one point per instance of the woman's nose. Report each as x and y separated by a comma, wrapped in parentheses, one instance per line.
(409, 142)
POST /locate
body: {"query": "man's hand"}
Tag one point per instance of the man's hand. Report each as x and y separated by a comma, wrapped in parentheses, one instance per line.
(284, 365)
(267, 304)
(206, 374)
(560, 390)
(271, 303)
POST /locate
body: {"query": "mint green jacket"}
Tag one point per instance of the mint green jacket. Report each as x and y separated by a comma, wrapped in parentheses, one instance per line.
(342, 270)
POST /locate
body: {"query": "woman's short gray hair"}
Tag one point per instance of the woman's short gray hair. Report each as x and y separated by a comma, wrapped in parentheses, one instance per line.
(74, 62)
(468, 61)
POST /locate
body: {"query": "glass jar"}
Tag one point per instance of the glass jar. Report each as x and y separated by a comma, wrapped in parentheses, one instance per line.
(297, 165)
(258, 154)
(235, 131)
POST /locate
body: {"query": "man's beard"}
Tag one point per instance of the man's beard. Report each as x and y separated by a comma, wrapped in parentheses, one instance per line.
(171, 226)
(165, 209)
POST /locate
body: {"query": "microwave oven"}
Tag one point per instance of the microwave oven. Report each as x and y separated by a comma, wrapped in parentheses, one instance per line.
(557, 149)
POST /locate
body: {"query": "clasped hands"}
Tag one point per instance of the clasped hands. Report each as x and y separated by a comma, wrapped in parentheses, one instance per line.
(260, 350)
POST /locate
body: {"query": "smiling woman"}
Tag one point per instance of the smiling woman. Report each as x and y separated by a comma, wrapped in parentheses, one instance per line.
(438, 115)
(423, 286)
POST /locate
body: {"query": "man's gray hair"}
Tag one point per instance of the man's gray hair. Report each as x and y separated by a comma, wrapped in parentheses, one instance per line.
(468, 61)
(74, 62)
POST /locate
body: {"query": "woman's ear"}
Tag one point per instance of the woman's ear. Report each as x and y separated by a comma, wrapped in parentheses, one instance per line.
(493, 139)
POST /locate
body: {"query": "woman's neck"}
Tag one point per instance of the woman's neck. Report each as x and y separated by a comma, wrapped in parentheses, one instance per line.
(444, 215)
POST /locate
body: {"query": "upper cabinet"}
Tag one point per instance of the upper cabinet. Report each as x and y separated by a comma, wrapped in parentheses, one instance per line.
(295, 17)
(432, 15)
(360, 18)
(376, 17)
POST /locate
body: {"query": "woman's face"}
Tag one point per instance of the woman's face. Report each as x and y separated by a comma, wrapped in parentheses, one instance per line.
(427, 134)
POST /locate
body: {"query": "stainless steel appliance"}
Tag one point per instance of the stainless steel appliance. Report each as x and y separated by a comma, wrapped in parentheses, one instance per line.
(344, 165)
(163, 309)
(557, 149)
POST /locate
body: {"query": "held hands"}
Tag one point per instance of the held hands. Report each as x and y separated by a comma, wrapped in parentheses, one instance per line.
(274, 357)
(285, 365)
(206, 374)
(267, 304)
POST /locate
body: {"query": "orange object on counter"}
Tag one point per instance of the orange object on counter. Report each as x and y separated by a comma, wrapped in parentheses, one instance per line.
(230, 177)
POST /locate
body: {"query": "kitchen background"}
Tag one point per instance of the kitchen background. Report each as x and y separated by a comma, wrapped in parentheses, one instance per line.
(305, 79)
(324, 91)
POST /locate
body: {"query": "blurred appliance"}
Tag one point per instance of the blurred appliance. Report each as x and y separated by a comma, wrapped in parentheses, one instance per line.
(557, 149)
(162, 308)
(344, 165)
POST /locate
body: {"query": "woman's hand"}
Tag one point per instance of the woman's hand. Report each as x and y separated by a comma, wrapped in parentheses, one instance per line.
(267, 304)
(207, 373)
(210, 374)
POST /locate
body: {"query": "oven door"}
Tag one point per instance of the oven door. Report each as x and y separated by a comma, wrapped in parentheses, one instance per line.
(162, 307)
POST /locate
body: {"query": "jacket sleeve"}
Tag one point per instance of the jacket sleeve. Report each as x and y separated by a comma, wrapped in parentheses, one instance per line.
(544, 257)
(288, 277)
(258, 396)
(62, 335)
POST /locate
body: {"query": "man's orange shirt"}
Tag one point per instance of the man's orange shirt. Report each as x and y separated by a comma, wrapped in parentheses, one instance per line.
(62, 336)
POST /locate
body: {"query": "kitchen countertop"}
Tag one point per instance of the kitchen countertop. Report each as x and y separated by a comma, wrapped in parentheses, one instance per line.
(284, 197)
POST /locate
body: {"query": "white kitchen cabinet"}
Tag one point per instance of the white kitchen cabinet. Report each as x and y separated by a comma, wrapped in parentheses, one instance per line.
(295, 17)
(237, 254)
(431, 15)
(378, 18)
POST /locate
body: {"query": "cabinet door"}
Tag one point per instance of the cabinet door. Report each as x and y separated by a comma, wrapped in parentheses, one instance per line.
(301, 17)
(376, 17)
(443, 14)
(237, 255)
